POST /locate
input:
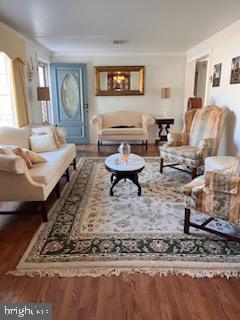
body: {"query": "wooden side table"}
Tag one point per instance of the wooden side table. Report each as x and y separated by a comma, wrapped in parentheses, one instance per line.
(167, 122)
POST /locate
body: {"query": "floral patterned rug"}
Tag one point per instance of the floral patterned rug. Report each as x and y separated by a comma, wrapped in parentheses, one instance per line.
(91, 233)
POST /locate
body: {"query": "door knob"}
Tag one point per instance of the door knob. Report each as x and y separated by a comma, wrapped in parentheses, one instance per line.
(86, 107)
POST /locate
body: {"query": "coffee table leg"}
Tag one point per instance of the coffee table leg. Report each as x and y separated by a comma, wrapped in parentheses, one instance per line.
(112, 176)
(134, 179)
(114, 182)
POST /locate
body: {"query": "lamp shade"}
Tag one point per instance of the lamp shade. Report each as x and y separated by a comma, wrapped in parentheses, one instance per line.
(43, 93)
(166, 93)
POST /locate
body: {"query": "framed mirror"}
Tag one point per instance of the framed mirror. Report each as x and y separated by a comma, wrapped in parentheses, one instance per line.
(119, 80)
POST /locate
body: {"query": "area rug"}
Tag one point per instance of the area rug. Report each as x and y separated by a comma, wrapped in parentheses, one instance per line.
(90, 233)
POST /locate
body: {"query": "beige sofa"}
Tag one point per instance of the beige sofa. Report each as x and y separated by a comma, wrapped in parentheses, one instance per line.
(137, 123)
(18, 183)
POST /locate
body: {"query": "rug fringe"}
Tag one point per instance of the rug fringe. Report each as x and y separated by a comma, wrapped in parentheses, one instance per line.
(97, 272)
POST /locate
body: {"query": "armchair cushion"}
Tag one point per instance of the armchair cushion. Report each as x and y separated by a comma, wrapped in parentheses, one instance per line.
(177, 139)
(186, 155)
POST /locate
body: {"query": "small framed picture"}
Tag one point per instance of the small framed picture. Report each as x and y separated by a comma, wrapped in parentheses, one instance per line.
(217, 69)
(235, 71)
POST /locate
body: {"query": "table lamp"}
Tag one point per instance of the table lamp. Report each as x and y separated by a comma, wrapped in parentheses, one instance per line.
(165, 95)
(44, 96)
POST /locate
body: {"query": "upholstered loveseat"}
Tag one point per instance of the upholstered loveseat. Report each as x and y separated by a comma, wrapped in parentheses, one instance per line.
(122, 126)
(18, 183)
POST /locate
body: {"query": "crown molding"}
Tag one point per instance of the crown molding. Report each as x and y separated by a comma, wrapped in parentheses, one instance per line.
(101, 53)
(24, 37)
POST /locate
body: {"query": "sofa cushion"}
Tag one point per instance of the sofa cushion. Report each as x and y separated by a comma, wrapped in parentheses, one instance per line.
(15, 136)
(44, 172)
(122, 131)
(118, 118)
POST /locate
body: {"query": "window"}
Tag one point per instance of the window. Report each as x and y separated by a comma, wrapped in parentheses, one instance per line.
(7, 111)
(43, 82)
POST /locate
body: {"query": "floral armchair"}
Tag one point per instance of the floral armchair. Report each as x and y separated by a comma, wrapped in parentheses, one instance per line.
(190, 149)
(216, 193)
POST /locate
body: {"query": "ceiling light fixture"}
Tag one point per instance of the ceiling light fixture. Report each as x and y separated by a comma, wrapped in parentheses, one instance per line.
(120, 41)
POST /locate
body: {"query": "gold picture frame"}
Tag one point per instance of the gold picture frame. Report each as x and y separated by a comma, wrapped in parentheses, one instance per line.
(119, 80)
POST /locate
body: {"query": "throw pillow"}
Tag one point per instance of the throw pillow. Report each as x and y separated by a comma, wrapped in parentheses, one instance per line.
(47, 130)
(11, 150)
(61, 132)
(34, 157)
(5, 150)
(19, 152)
(43, 143)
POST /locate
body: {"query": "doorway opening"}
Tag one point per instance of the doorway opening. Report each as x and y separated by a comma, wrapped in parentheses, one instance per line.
(200, 81)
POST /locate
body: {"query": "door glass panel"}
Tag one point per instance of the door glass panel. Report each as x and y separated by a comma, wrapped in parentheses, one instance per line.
(70, 95)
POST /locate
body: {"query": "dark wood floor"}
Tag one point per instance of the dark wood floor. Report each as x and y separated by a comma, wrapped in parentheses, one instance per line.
(130, 297)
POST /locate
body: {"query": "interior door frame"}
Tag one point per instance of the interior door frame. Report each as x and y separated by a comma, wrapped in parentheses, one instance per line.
(54, 92)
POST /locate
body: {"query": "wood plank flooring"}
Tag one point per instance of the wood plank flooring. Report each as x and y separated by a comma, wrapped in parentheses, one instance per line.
(127, 297)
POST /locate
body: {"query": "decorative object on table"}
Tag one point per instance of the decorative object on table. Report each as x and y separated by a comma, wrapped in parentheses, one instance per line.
(190, 150)
(122, 126)
(194, 103)
(165, 95)
(44, 97)
(124, 151)
(92, 234)
(217, 69)
(125, 170)
(216, 194)
(119, 80)
(235, 71)
(161, 121)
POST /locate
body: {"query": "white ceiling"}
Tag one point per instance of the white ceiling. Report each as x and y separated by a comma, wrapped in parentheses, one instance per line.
(68, 26)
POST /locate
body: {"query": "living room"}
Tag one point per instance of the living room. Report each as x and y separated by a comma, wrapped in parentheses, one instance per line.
(101, 103)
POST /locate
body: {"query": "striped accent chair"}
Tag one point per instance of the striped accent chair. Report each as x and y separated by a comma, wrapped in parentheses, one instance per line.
(217, 194)
(189, 150)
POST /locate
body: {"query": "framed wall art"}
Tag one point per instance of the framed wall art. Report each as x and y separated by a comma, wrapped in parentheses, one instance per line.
(235, 71)
(217, 69)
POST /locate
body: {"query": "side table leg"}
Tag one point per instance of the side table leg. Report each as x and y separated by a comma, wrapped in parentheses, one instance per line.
(160, 131)
(167, 128)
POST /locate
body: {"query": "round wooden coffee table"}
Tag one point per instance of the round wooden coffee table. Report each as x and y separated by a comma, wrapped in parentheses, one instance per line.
(121, 170)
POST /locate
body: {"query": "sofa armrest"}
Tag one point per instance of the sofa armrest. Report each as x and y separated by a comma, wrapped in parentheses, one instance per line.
(97, 121)
(12, 164)
(146, 121)
(177, 139)
(222, 182)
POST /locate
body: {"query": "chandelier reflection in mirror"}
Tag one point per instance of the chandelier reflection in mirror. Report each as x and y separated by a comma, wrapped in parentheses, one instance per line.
(118, 81)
